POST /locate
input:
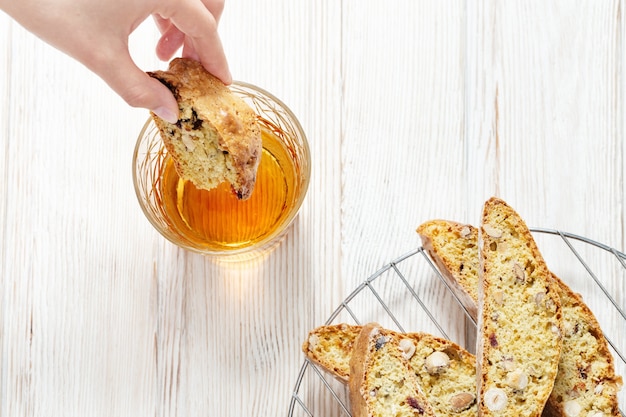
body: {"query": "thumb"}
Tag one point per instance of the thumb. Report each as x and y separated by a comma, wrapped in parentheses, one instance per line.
(137, 88)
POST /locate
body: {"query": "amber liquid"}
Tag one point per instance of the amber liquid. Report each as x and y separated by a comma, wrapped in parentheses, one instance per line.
(216, 219)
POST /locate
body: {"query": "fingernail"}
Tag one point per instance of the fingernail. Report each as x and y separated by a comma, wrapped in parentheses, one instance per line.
(166, 114)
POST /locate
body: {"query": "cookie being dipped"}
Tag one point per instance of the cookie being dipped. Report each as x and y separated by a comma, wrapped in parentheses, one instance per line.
(217, 137)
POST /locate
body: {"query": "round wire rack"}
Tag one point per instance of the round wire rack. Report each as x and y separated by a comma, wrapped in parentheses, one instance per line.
(410, 294)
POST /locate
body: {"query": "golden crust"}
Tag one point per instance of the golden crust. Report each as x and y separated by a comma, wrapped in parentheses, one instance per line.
(217, 137)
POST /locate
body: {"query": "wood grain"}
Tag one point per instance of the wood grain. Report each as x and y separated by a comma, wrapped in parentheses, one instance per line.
(413, 110)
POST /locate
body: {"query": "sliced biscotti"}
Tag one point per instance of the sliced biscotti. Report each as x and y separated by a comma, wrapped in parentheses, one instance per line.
(331, 348)
(519, 318)
(453, 247)
(586, 383)
(446, 372)
(381, 382)
(217, 137)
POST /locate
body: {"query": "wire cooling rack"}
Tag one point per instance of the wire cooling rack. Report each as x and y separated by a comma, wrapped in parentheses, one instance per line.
(409, 294)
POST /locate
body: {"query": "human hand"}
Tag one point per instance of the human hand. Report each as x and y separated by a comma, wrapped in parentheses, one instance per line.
(96, 32)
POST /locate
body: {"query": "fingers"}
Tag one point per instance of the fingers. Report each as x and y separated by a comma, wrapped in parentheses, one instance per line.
(136, 87)
(216, 7)
(202, 42)
(161, 23)
(171, 40)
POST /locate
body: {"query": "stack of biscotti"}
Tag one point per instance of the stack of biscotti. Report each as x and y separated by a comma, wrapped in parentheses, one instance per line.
(540, 350)
(585, 384)
(445, 371)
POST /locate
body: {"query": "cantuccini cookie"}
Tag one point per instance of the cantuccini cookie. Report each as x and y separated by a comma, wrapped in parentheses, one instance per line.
(381, 382)
(217, 137)
(519, 318)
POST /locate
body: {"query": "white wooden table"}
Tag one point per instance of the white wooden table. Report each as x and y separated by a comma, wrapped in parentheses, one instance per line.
(413, 109)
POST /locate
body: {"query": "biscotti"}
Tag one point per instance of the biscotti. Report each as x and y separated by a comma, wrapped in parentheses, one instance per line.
(381, 382)
(331, 348)
(519, 318)
(446, 372)
(217, 137)
(453, 247)
(586, 383)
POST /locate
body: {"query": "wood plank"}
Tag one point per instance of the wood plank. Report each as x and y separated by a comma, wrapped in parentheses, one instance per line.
(77, 312)
(5, 102)
(404, 150)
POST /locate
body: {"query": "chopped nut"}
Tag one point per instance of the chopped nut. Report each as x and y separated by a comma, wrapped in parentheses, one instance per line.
(598, 389)
(572, 408)
(517, 380)
(520, 275)
(556, 330)
(407, 347)
(437, 362)
(189, 143)
(502, 247)
(539, 298)
(462, 401)
(495, 399)
(492, 231)
(465, 231)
